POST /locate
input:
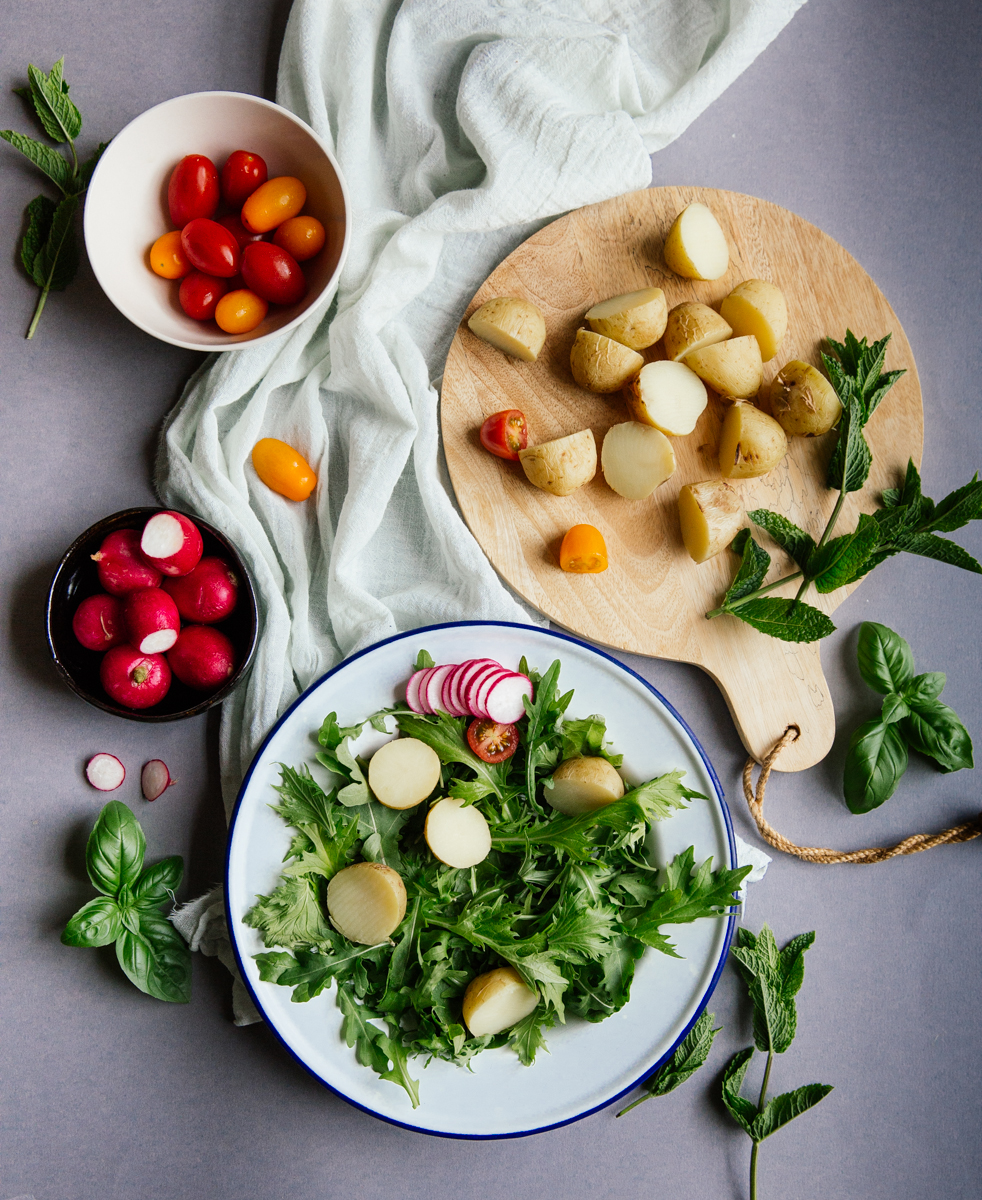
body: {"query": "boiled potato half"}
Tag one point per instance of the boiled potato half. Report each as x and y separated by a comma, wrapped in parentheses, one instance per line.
(751, 443)
(802, 400)
(732, 368)
(711, 515)
(691, 326)
(457, 836)
(582, 785)
(497, 1000)
(667, 395)
(696, 246)
(366, 902)
(635, 459)
(561, 466)
(600, 364)
(636, 319)
(757, 308)
(512, 324)
(402, 773)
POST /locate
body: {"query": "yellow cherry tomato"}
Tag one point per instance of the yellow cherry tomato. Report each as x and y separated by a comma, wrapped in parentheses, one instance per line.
(276, 201)
(167, 257)
(303, 237)
(583, 551)
(283, 469)
(240, 311)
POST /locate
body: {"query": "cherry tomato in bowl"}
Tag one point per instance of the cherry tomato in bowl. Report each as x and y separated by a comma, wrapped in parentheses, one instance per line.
(505, 433)
(240, 311)
(276, 201)
(303, 237)
(210, 248)
(167, 257)
(233, 223)
(192, 190)
(199, 295)
(242, 174)
(273, 274)
(491, 742)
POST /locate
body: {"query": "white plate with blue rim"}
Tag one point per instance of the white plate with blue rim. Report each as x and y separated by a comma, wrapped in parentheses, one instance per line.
(588, 1065)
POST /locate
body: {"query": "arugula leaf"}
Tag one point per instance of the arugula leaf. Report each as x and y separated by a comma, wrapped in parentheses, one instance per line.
(543, 739)
(754, 565)
(291, 915)
(373, 1047)
(690, 1055)
(157, 959)
(380, 827)
(932, 728)
(115, 849)
(424, 660)
(309, 972)
(526, 1038)
(446, 736)
(659, 798)
(584, 738)
(792, 540)
(886, 662)
(96, 923)
(773, 978)
(787, 619)
(690, 893)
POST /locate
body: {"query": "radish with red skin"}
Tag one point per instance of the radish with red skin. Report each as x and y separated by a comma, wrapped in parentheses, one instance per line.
(470, 670)
(420, 695)
(132, 679)
(450, 704)
(121, 566)
(98, 622)
(155, 779)
(105, 772)
(208, 593)
(474, 685)
(504, 701)
(172, 543)
(202, 657)
(434, 688)
(152, 620)
(487, 684)
(412, 691)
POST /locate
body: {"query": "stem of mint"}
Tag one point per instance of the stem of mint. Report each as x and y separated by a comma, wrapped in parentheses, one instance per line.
(760, 1106)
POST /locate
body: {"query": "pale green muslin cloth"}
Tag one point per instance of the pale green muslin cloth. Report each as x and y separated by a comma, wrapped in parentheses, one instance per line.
(460, 126)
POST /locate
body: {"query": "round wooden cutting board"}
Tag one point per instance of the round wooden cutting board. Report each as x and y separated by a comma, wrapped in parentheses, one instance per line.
(653, 597)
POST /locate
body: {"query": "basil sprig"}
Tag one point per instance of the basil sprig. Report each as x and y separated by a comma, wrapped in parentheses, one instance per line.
(49, 249)
(773, 979)
(151, 952)
(908, 521)
(912, 718)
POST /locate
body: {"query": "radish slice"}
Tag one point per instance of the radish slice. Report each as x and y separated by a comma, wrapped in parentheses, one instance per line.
(503, 702)
(155, 779)
(474, 684)
(171, 542)
(450, 702)
(105, 772)
(469, 671)
(485, 686)
(434, 687)
(412, 691)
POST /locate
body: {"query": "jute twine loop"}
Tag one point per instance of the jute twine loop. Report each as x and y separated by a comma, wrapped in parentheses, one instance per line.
(820, 854)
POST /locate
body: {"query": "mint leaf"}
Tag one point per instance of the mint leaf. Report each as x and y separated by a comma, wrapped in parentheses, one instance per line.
(39, 213)
(773, 978)
(875, 764)
(792, 540)
(928, 545)
(57, 260)
(43, 157)
(932, 728)
(754, 565)
(742, 1111)
(958, 508)
(841, 560)
(778, 1112)
(886, 662)
(690, 1055)
(57, 113)
(785, 619)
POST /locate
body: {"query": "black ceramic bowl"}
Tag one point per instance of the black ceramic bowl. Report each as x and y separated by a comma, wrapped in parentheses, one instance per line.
(76, 578)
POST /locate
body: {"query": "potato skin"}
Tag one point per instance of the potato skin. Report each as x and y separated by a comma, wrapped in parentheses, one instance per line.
(732, 368)
(561, 466)
(600, 364)
(751, 443)
(802, 400)
(584, 784)
(638, 323)
(691, 326)
(512, 324)
(711, 515)
(757, 308)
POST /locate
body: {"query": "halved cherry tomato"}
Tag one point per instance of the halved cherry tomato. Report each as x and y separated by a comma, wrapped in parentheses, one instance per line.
(583, 551)
(283, 469)
(273, 274)
(192, 190)
(491, 742)
(303, 237)
(242, 174)
(167, 257)
(199, 295)
(505, 433)
(235, 227)
(276, 201)
(210, 248)
(240, 311)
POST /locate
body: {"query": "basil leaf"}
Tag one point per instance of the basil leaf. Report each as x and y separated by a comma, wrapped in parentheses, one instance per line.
(841, 560)
(778, 1112)
(114, 853)
(43, 157)
(157, 959)
(754, 565)
(935, 730)
(742, 1111)
(792, 540)
(922, 689)
(875, 764)
(158, 883)
(885, 659)
(785, 619)
(95, 924)
(894, 708)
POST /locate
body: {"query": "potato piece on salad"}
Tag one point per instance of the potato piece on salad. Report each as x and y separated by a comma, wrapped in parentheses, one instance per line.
(511, 324)
(366, 902)
(457, 835)
(402, 773)
(497, 1000)
(582, 785)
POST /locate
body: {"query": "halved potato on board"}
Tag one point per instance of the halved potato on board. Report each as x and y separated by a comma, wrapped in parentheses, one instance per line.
(635, 459)
(757, 307)
(562, 465)
(600, 364)
(696, 245)
(691, 326)
(669, 396)
(512, 324)
(732, 368)
(711, 515)
(636, 319)
(751, 443)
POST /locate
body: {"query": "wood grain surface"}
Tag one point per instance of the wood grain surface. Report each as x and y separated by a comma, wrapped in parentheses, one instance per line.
(652, 599)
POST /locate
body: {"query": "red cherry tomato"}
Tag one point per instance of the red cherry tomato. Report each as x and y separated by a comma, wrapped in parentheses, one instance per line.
(233, 224)
(210, 248)
(491, 742)
(199, 295)
(273, 274)
(242, 174)
(193, 189)
(505, 433)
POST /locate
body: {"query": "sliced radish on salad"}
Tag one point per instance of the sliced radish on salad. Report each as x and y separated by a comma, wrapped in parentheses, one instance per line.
(484, 687)
(105, 772)
(434, 687)
(412, 691)
(468, 688)
(505, 701)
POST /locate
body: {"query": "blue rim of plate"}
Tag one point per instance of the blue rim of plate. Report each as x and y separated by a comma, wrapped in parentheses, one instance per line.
(730, 922)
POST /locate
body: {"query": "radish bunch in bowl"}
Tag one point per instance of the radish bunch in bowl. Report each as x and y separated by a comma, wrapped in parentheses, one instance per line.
(479, 687)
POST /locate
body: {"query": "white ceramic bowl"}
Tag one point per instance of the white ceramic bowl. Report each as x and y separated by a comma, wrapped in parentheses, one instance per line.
(126, 207)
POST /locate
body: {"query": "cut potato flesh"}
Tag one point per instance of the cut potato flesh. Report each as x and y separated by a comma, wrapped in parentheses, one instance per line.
(691, 326)
(563, 465)
(636, 459)
(803, 402)
(751, 443)
(582, 785)
(696, 246)
(458, 836)
(497, 1000)
(366, 902)
(667, 395)
(402, 773)
(512, 324)
(711, 515)
(757, 308)
(636, 319)
(600, 364)
(732, 368)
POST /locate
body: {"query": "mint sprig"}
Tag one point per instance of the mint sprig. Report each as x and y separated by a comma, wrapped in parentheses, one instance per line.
(49, 248)
(692, 1052)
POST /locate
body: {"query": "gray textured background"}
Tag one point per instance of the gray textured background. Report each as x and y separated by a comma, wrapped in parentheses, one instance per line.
(862, 117)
